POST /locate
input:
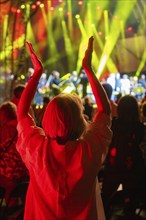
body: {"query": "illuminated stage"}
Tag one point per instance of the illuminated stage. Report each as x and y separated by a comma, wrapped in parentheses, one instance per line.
(59, 30)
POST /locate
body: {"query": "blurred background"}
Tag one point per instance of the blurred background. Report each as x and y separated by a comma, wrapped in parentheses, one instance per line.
(59, 31)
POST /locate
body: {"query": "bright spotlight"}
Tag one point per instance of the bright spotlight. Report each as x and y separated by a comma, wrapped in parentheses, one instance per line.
(22, 6)
(41, 5)
(77, 16)
(60, 9)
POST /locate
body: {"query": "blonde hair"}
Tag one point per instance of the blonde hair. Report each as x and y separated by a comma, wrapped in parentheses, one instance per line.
(63, 119)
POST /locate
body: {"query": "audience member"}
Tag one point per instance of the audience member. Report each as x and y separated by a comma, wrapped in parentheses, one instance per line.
(40, 111)
(12, 169)
(88, 107)
(125, 85)
(41, 90)
(144, 98)
(143, 112)
(142, 80)
(143, 143)
(83, 80)
(109, 90)
(53, 83)
(65, 156)
(117, 98)
(124, 163)
(17, 92)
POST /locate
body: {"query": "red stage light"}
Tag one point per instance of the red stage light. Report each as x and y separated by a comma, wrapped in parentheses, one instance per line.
(18, 11)
(38, 3)
(129, 28)
(33, 6)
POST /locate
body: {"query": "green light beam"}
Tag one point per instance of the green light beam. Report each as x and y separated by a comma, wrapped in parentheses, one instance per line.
(106, 23)
(70, 19)
(68, 47)
(127, 7)
(142, 64)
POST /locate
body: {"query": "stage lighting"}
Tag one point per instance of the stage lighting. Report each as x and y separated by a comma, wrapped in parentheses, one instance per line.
(41, 5)
(38, 3)
(77, 16)
(22, 6)
(33, 6)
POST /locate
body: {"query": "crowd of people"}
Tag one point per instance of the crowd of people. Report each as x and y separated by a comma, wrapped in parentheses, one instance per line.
(52, 84)
(74, 151)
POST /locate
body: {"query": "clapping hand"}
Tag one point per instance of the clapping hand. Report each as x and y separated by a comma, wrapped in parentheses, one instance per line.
(36, 62)
(86, 63)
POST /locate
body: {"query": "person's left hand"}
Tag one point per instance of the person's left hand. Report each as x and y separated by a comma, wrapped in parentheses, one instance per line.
(86, 63)
(36, 62)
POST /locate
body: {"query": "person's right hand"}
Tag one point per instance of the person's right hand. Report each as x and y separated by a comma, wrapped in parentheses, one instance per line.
(35, 61)
(86, 63)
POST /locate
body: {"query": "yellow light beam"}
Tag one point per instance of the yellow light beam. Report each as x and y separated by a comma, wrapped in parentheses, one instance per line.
(50, 37)
(8, 48)
(106, 23)
(142, 64)
(82, 48)
(45, 16)
(141, 14)
(88, 20)
(31, 36)
(110, 64)
(83, 44)
(136, 45)
(127, 7)
(6, 40)
(122, 30)
(70, 19)
(98, 7)
(68, 47)
(81, 26)
(57, 13)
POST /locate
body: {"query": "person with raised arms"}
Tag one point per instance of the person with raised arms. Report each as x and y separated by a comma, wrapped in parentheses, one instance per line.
(65, 155)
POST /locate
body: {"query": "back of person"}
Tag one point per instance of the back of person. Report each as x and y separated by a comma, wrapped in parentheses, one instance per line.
(109, 90)
(65, 155)
(40, 111)
(88, 107)
(124, 164)
(143, 143)
(124, 155)
(17, 92)
(12, 168)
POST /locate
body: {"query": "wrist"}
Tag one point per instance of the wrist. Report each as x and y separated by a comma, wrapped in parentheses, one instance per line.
(88, 69)
(35, 79)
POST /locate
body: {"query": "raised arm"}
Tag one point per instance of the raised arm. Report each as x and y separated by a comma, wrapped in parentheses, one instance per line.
(101, 98)
(29, 91)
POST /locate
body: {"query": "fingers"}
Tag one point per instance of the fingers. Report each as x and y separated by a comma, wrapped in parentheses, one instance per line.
(30, 48)
(90, 43)
(89, 49)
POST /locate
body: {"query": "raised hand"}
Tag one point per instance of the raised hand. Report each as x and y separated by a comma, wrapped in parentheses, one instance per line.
(31, 87)
(35, 61)
(86, 63)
